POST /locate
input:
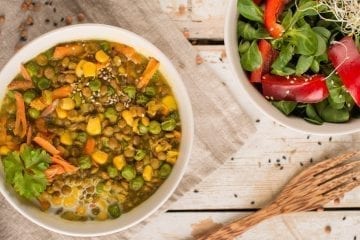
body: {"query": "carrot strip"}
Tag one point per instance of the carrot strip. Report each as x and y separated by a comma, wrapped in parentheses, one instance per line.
(54, 170)
(46, 145)
(20, 121)
(62, 92)
(150, 70)
(129, 52)
(90, 146)
(3, 134)
(68, 50)
(50, 109)
(24, 73)
(69, 168)
(29, 135)
(20, 85)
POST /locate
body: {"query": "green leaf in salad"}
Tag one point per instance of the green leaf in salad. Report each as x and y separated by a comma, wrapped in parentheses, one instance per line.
(286, 107)
(285, 71)
(286, 21)
(322, 45)
(243, 46)
(330, 114)
(304, 39)
(323, 32)
(24, 170)
(315, 67)
(312, 114)
(248, 32)
(304, 8)
(303, 64)
(249, 10)
(251, 59)
(285, 55)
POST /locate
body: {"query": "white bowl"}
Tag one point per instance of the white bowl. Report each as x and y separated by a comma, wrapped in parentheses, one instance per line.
(115, 34)
(241, 81)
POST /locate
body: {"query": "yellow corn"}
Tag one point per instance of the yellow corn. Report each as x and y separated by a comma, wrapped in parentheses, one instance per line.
(67, 104)
(62, 114)
(145, 121)
(171, 156)
(101, 56)
(121, 198)
(93, 126)
(4, 150)
(47, 97)
(148, 173)
(56, 200)
(100, 157)
(103, 215)
(169, 102)
(126, 114)
(135, 126)
(122, 70)
(81, 210)
(38, 104)
(79, 68)
(65, 138)
(119, 162)
(69, 201)
(89, 69)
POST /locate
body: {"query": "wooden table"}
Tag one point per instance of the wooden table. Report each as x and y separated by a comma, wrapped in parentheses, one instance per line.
(253, 176)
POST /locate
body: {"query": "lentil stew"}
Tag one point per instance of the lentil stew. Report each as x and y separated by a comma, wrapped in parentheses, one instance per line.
(89, 130)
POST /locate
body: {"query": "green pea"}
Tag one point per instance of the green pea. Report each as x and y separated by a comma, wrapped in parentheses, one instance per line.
(150, 91)
(32, 68)
(130, 91)
(168, 125)
(77, 99)
(43, 83)
(154, 127)
(143, 129)
(128, 172)
(105, 46)
(137, 183)
(114, 210)
(29, 96)
(95, 85)
(165, 170)
(34, 113)
(141, 99)
(243, 47)
(81, 137)
(110, 91)
(112, 171)
(111, 114)
(84, 162)
(140, 154)
(100, 187)
(11, 95)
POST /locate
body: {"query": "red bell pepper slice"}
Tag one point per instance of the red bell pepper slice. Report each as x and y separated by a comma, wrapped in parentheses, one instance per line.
(273, 9)
(345, 57)
(267, 54)
(303, 89)
(257, 2)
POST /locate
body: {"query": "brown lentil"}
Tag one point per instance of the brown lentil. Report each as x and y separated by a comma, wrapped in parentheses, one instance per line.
(68, 20)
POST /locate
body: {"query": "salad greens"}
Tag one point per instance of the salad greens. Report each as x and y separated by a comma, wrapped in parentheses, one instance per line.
(301, 49)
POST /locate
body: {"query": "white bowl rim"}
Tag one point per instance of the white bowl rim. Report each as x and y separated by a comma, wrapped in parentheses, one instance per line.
(185, 110)
(241, 81)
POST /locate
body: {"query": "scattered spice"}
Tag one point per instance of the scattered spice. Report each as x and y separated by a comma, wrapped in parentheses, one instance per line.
(308, 137)
(62, 19)
(68, 20)
(320, 209)
(232, 158)
(284, 157)
(257, 120)
(319, 143)
(235, 195)
(252, 202)
(29, 21)
(2, 19)
(47, 20)
(281, 168)
(54, 10)
(278, 160)
(186, 33)
(199, 60)
(80, 17)
(269, 160)
(330, 139)
(337, 201)
(196, 191)
(311, 160)
(24, 7)
(327, 229)
(301, 164)
(24, 39)
(344, 218)
(55, 24)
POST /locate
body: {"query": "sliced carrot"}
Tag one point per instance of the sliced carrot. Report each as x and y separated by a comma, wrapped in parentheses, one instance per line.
(24, 73)
(129, 52)
(29, 135)
(90, 146)
(62, 92)
(3, 134)
(20, 85)
(46, 145)
(69, 168)
(150, 70)
(20, 122)
(54, 170)
(68, 50)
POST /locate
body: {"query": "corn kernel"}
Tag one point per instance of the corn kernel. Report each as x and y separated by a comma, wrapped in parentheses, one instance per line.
(81, 210)
(89, 69)
(67, 104)
(101, 56)
(135, 126)
(122, 70)
(171, 156)
(169, 102)
(148, 173)
(4, 150)
(56, 200)
(47, 97)
(128, 117)
(93, 126)
(69, 201)
(121, 198)
(79, 68)
(145, 121)
(65, 138)
(102, 215)
(119, 162)
(100, 157)
(61, 114)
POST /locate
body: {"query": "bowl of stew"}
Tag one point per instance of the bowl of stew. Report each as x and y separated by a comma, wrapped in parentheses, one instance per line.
(96, 130)
(297, 62)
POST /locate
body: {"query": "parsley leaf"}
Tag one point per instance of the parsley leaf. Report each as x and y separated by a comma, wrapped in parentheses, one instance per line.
(25, 171)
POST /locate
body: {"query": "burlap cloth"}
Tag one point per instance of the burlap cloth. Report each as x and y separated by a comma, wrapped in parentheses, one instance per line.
(221, 126)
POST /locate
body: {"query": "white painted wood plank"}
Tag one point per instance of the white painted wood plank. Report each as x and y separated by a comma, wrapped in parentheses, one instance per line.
(309, 226)
(249, 177)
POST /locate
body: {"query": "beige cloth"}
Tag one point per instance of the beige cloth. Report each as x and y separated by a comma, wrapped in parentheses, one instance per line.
(221, 127)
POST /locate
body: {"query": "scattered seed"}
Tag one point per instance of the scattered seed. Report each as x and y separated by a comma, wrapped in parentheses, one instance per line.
(62, 19)
(24, 7)
(327, 229)
(337, 201)
(232, 158)
(54, 10)
(301, 164)
(284, 157)
(278, 160)
(320, 209)
(344, 218)
(281, 168)
(55, 24)
(47, 20)
(2, 19)
(269, 160)
(330, 139)
(319, 143)
(311, 160)
(22, 38)
(252, 202)
(235, 195)
(196, 191)
(308, 137)
(80, 17)
(29, 21)
(186, 33)
(257, 120)
(199, 60)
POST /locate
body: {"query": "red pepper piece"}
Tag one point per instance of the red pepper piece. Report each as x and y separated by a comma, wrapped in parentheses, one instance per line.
(273, 9)
(303, 89)
(267, 53)
(257, 2)
(345, 57)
